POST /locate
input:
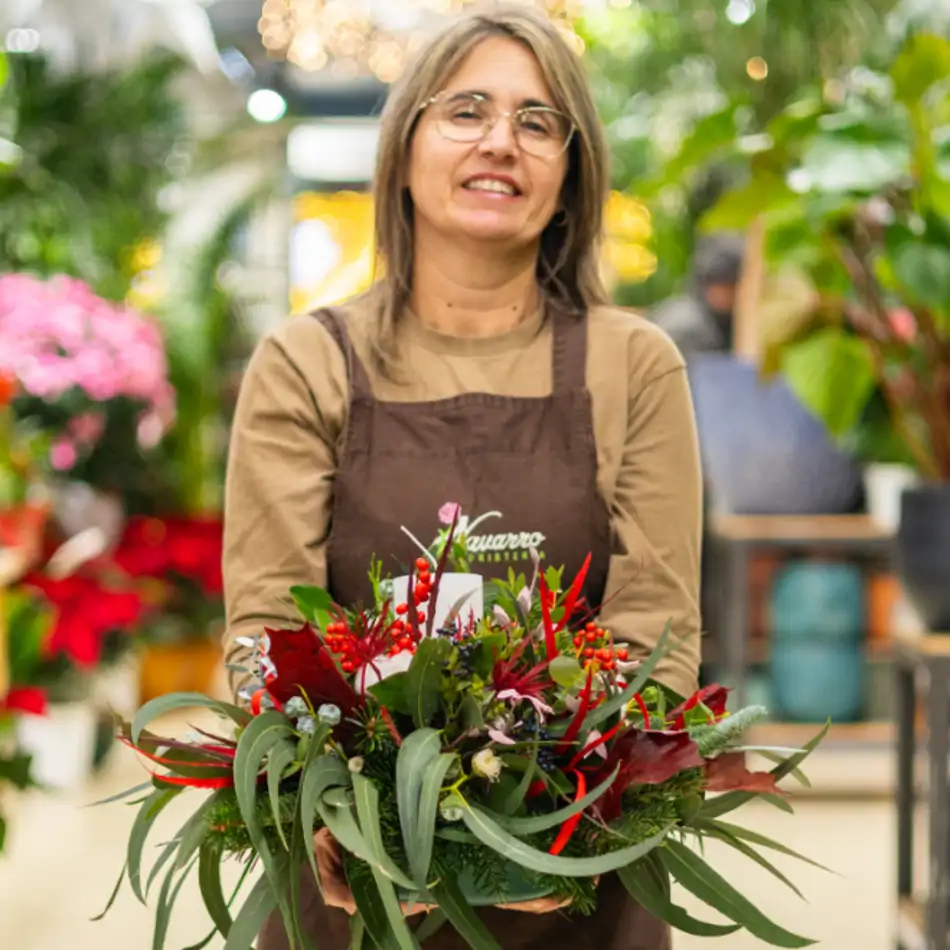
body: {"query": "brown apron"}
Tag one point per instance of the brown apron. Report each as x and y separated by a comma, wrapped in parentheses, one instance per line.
(532, 461)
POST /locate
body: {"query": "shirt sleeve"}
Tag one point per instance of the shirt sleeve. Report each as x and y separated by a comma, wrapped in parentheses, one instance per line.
(281, 466)
(656, 517)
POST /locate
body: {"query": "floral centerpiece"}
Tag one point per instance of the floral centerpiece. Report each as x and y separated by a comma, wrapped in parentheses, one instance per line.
(518, 755)
(91, 374)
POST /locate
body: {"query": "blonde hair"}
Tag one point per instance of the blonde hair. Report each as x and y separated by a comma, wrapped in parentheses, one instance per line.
(569, 257)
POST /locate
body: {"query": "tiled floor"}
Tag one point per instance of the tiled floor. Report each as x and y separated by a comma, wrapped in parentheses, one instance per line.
(63, 858)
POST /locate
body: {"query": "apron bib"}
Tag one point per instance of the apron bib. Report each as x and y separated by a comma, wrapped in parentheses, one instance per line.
(529, 466)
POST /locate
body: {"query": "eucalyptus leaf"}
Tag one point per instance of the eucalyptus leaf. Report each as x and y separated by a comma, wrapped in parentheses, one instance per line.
(424, 678)
(319, 774)
(367, 809)
(639, 882)
(392, 694)
(418, 749)
(419, 847)
(565, 670)
(711, 825)
(281, 756)
(698, 877)
(461, 915)
(527, 826)
(148, 812)
(209, 882)
(172, 701)
(251, 918)
(491, 834)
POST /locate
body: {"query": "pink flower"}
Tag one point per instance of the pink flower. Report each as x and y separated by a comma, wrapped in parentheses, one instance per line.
(63, 455)
(87, 428)
(448, 512)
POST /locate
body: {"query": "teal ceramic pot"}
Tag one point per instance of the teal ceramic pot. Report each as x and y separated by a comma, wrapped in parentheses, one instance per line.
(818, 599)
(816, 680)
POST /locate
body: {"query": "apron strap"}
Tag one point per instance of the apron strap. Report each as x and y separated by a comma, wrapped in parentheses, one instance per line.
(569, 351)
(335, 325)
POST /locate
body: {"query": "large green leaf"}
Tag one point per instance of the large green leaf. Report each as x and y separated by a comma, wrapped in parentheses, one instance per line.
(172, 701)
(709, 830)
(565, 670)
(261, 735)
(702, 880)
(367, 809)
(196, 829)
(738, 208)
(371, 905)
(319, 774)
(419, 848)
(171, 888)
(923, 61)
(391, 693)
(252, 916)
(281, 756)
(491, 834)
(923, 272)
(832, 373)
(336, 811)
(418, 749)
(736, 831)
(514, 801)
(527, 826)
(150, 809)
(209, 881)
(839, 163)
(314, 604)
(424, 678)
(639, 882)
(461, 916)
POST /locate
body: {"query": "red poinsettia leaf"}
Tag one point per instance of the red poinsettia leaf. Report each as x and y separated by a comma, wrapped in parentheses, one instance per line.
(713, 697)
(645, 757)
(303, 663)
(728, 773)
(25, 699)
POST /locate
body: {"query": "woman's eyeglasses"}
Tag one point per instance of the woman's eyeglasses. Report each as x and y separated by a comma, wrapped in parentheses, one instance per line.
(467, 117)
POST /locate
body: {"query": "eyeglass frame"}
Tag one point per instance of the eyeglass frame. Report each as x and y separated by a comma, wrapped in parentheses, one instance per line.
(438, 97)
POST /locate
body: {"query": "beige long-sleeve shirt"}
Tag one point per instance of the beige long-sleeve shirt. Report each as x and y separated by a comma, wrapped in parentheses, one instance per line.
(292, 414)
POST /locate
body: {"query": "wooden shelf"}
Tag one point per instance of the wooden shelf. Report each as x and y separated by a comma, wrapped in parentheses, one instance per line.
(922, 644)
(796, 734)
(798, 529)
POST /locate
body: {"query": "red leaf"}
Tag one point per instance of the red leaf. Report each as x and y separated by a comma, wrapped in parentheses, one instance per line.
(574, 591)
(645, 757)
(195, 782)
(728, 773)
(567, 829)
(25, 699)
(303, 663)
(549, 640)
(713, 697)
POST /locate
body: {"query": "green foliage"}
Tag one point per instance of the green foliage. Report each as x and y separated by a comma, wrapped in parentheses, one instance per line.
(95, 154)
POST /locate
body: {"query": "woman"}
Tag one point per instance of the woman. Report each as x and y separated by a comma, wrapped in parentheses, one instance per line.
(484, 368)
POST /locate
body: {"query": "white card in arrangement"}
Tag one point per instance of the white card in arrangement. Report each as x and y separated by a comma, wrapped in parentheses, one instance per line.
(459, 592)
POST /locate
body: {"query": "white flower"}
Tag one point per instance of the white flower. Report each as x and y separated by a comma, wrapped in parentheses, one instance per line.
(487, 764)
(355, 764)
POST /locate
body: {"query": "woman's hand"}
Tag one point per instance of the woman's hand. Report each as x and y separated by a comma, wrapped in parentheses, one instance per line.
(337, 893)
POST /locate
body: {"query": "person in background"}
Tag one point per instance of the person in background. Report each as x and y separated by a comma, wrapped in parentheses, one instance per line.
(701, 319)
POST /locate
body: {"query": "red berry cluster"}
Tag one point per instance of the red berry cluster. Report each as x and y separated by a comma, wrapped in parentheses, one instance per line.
(401, 631)
(343, 642)
(596, 646)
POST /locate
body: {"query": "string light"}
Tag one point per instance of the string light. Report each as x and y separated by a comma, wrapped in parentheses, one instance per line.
(353, 36)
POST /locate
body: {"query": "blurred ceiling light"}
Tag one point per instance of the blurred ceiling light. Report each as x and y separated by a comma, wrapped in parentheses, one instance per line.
(375, 36)
(740, 11)
(98, 35)
(266, 105)
(757, 68)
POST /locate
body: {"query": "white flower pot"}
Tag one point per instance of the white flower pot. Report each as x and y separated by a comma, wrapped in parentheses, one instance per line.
(884, 485)
(61, 743)
(456, 591)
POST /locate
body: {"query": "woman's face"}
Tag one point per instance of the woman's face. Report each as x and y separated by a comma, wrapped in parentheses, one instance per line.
(490, 190)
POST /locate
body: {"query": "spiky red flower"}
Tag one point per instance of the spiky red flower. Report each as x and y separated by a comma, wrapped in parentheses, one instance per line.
(511, 674)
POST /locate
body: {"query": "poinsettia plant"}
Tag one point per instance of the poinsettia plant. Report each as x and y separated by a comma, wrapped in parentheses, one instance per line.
(515, 757)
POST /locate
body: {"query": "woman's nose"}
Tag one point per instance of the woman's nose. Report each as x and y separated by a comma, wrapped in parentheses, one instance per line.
(500, 138)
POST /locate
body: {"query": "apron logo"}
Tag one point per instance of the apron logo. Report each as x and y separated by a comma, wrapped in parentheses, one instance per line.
(503, 546)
